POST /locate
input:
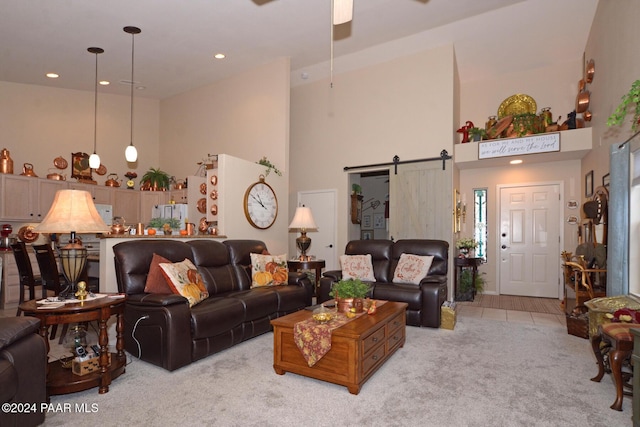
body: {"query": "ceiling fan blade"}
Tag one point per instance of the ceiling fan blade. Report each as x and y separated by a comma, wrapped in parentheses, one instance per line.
(342, 11)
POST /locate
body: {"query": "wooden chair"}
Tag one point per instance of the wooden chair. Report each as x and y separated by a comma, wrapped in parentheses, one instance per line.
(582, 279)
(25, 271)
(52, 280)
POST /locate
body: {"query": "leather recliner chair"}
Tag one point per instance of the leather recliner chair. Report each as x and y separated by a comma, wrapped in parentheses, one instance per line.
(23, 370)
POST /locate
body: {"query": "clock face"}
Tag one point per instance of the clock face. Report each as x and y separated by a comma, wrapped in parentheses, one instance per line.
(260, 205)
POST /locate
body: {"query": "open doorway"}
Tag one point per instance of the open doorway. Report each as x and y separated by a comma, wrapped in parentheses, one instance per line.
(374, 215)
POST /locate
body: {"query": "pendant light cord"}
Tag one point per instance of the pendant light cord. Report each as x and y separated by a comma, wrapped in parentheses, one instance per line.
(331, 44)
(132, 59)
(95, 108)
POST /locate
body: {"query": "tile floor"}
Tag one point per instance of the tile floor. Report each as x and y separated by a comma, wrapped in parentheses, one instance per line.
(511, 315)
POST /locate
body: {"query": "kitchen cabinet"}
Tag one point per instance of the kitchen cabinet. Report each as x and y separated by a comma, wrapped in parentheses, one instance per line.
(101, 194)
(149, 200)
(27, 198)
(126, 204)
(179, 196)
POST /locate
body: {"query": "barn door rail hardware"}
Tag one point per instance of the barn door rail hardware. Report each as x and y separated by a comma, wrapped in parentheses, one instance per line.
(444, 155)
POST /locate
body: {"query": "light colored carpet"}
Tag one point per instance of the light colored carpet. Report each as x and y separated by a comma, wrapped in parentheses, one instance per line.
(484, 373)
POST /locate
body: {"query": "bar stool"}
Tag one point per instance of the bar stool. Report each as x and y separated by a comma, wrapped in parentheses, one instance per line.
(612, 346)
(25, 271)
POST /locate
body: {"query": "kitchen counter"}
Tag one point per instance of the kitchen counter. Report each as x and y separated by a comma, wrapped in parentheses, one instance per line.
(163, 236)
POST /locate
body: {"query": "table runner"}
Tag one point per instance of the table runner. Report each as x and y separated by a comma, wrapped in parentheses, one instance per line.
(314, 339)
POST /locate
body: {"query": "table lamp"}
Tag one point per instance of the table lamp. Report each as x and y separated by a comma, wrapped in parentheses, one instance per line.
(72, 212)
(303, 221)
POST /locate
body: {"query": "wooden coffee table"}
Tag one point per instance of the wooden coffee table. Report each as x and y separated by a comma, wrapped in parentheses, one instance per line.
(358, 348)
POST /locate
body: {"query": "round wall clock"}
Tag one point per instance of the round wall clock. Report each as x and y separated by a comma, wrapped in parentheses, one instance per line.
(260, 204)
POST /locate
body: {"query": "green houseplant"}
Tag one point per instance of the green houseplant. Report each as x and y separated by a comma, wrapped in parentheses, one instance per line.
(477, 134)
(467, 288)
(630, 98)
(347, 291)
(174, 223)
(155, 180)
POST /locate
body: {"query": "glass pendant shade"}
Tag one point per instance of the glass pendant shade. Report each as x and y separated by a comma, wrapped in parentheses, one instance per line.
(131, 154)
(342, 11)
(94, 161)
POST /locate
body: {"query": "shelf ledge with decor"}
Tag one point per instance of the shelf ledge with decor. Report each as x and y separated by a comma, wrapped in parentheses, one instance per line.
(574, 144)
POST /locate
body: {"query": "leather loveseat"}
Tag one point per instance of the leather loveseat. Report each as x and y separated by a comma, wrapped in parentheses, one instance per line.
(424, 299)
(23, 372)
(162, 329)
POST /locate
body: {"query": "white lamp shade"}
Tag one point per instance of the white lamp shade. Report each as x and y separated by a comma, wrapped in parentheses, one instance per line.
(303, 219)
(131, 154)
(342, 11)
(72, 210)
(94, 161)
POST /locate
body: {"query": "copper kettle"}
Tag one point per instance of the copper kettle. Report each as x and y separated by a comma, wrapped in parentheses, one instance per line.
(112, 180)
(27, 170)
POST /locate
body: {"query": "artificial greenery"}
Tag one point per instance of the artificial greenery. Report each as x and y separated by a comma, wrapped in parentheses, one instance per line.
(631, 97)
(466, 279)
(265, 162)
(351, 288)
(174, 223)
(155, 178)
(477, 134)
(466, 243)
(356, 189)
(527, 124)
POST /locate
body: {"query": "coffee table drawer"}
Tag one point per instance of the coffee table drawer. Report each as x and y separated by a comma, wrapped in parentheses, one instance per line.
(373, 340)
(396, 323)
(372, 360)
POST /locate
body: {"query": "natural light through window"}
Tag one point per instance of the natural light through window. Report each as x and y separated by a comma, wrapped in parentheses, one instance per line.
(480, 221)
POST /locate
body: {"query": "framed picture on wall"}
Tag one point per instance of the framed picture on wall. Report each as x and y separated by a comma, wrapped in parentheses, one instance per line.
(588, 184)
(606, 180)
(366, 234)
(378, 220)
(366, 221)
(80, 166)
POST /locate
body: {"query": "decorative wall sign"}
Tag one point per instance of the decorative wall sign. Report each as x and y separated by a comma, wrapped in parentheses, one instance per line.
(572, 204)
(588, 184)
(534, 144)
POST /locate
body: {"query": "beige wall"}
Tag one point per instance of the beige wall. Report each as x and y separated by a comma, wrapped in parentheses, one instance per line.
(402, 107)
(246, 116)
(613, 45)
(38, 124)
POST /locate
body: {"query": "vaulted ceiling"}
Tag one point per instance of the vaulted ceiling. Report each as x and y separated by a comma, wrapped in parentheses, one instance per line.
(174, 52)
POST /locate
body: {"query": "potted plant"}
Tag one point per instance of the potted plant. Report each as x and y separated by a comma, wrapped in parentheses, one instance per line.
(465, 245)
(526, 124)
(356, 189)
(155, 180)
(265, 162)
(466, 288)
(632, 97)
(477, 134)
(347, 291)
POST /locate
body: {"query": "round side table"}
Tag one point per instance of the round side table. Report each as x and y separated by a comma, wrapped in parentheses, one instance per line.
(317, 265)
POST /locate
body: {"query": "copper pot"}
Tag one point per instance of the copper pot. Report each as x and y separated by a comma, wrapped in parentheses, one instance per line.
(27, 170)
(112, 181)
(582, 101)
(55, 175)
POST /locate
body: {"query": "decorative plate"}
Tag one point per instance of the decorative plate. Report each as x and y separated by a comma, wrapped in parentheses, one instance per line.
(202, 205)
(517, 104)
(203, 188)
(102, 169)
(213, 195)
(60, 163)
(27, 235)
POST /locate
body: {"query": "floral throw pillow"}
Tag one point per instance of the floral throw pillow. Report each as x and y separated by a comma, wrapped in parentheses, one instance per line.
(269, 270)
(357, 267)
(412, 268)
(183, 279)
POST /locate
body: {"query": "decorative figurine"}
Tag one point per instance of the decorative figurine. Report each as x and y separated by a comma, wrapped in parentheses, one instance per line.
(82, 293)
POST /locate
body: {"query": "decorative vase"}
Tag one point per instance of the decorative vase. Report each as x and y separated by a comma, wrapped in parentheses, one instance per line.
(168, 232)
(344, 304)
(464, 252)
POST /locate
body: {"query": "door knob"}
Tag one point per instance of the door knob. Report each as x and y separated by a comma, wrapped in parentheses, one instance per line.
(504, 246)
(330, 246)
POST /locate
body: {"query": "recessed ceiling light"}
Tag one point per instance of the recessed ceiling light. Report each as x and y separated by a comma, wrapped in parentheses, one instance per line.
(52, 75)
(515, 162)
(219, 56)
(105, 83)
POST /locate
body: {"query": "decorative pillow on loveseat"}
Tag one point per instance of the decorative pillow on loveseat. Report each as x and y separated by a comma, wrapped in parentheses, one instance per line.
(412, 268)
(269, 270)
(183, 279)
(156, 282)
(357, 267)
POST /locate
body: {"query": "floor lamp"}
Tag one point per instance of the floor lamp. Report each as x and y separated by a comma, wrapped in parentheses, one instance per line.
(303, 221)
(72, 212)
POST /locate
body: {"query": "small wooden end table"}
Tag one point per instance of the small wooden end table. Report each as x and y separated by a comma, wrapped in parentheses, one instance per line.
(315, 264)
(63, 381)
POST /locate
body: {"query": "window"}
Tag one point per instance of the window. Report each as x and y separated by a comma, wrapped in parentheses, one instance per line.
(480, 221)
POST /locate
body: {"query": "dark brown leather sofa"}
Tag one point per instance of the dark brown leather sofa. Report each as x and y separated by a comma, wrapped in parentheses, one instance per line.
(23, 370)
(162, 329)
(424, 299)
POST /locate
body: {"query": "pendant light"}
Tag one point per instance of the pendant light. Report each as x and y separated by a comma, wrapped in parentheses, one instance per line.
(94, 159)
(341, 12)
(131, 154)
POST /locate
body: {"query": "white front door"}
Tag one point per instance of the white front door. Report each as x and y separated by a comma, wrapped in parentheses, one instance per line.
(323, 242)
(529, 240)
